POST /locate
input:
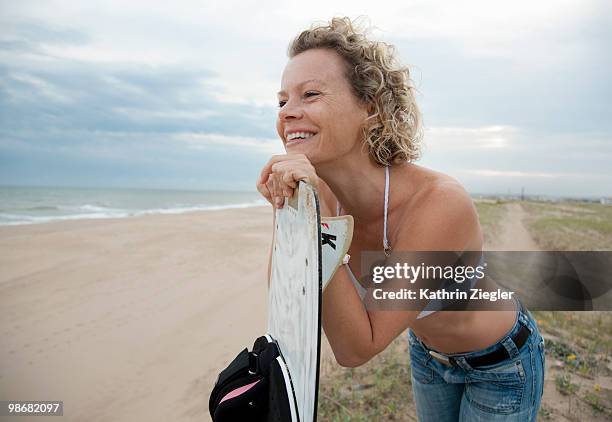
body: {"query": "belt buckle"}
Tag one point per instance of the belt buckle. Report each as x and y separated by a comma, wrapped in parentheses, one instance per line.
(440, 358)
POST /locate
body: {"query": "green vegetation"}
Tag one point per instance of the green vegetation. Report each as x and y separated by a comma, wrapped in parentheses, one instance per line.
(490, 214)
(578, 354)
(578, 344)
(565, 385)
(377, 391)
(570, 226)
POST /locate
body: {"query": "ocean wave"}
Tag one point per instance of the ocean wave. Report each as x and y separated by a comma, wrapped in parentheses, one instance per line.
(194, 208)
(89, 208)
(16, 219)
(27, 219)
(41, 208)
(30, 209)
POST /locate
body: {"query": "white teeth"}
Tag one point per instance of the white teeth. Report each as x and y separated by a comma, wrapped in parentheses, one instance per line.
(303, 135)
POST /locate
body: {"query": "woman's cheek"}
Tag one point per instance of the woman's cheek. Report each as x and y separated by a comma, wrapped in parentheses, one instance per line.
(279, 130)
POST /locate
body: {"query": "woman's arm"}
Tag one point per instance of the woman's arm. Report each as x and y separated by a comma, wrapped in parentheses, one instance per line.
(446, 221)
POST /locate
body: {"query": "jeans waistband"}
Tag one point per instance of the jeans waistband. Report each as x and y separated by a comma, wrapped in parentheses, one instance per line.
(523, 317)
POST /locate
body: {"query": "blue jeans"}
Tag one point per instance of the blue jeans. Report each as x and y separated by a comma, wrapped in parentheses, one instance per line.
(510, 390)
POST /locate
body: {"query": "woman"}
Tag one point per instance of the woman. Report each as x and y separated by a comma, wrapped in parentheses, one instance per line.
(351, 128)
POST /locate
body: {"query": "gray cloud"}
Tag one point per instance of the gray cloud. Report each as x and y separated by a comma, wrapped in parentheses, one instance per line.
(97, 97)
(459, 89)
(66, 103)
(19, 34)
(149, 95)
(106, 123)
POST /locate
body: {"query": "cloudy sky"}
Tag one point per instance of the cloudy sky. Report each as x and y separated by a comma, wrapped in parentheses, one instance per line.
(183, 94)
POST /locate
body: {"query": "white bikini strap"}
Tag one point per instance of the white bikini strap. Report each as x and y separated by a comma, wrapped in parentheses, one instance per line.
(386, 244)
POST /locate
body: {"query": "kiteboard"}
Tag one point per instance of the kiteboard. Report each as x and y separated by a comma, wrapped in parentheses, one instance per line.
(307, 250)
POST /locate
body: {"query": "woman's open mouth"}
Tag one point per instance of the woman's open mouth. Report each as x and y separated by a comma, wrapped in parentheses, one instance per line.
(298, 137)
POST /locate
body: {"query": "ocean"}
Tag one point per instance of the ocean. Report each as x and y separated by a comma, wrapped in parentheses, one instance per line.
(31, 205)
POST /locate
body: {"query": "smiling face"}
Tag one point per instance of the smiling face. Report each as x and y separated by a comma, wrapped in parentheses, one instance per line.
(319, 115)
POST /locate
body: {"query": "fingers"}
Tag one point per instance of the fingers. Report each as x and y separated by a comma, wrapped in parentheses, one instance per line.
(279, 177)
(272, 190)
(282, 186)
(288, 179)
(267, 169)
(265, 191)
(271, 185)
(292, 173)
(278, 191)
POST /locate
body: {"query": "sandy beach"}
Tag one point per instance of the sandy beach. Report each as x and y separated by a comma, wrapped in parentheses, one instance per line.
(130, 319)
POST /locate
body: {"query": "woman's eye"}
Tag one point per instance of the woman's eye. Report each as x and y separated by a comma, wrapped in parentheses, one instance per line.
(307, 94)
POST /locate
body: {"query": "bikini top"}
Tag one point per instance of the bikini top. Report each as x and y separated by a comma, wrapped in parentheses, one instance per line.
(433, 305)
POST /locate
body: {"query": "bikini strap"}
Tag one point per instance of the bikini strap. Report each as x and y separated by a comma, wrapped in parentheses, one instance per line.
(386, 244)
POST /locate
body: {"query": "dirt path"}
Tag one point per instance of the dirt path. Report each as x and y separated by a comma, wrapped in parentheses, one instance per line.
(513, 235)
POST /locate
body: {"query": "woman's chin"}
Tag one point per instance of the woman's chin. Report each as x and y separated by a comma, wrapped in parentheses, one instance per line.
(302, 148)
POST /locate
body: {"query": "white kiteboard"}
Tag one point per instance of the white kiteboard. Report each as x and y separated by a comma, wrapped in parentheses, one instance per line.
(307, 251)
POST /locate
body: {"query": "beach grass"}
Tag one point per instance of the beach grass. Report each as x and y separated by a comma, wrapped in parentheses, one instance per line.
(490, 214)
(570, 226)
(578, 353)
(377, 391)
(578, 344)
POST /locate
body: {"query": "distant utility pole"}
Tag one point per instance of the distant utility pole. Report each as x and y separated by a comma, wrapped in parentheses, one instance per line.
(522, 193)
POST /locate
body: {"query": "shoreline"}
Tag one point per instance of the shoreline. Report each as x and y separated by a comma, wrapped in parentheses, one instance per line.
(136, 214)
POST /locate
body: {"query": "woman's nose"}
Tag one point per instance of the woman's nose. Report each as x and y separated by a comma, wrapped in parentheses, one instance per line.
(291, 110)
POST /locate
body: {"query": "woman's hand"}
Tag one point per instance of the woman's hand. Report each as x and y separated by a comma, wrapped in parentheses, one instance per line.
(280, 176)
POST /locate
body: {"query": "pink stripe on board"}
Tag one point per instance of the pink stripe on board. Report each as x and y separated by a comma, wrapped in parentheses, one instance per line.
(238, 391)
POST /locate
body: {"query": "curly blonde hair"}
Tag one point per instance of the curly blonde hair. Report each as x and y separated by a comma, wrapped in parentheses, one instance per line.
(393, 132)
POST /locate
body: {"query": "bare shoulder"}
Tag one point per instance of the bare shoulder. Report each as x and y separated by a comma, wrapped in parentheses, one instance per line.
(441, 212)
(433, 191)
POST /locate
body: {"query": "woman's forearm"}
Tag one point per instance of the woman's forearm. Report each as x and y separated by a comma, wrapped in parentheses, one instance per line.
(346, 322)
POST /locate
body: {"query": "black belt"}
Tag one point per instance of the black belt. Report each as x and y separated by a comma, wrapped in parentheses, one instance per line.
(491, 358)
